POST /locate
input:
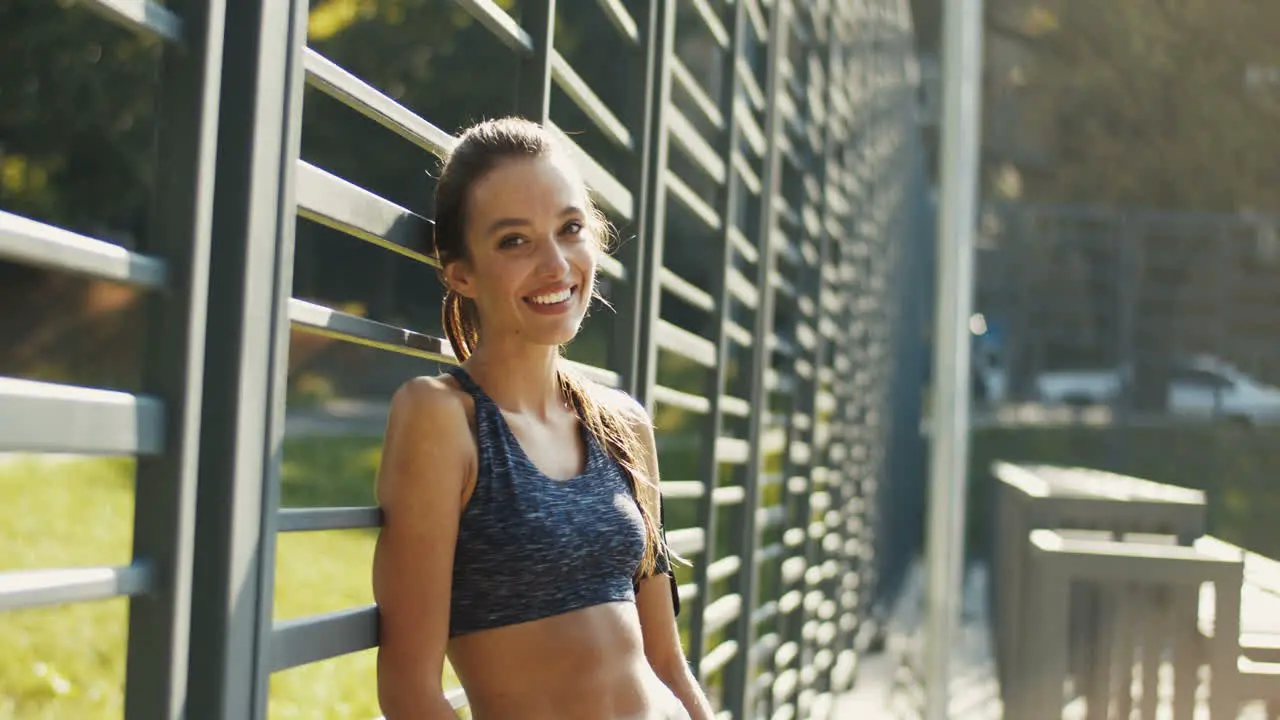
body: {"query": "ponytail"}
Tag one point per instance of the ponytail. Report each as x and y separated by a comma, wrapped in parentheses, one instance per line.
(459, 319)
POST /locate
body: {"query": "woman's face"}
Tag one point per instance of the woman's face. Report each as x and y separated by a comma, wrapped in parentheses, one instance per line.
(531, 253)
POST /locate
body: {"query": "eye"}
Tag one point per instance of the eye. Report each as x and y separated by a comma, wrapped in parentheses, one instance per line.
(511, 241)
(573, 227)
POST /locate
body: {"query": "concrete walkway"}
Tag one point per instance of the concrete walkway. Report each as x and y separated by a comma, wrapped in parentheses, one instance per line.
(889, 684)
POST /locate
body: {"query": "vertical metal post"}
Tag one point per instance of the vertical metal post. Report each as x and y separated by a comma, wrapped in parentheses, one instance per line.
(709, 462)
(1126, 286)
(166, 485)
(853, 590)
(1225, 264)
(645, 73)
(655, 212)
(241, 423)
(739, 692)
(533, 93)
(961, 116)
(819, 457)
(809, 285)
(847, 396)
(906, 477)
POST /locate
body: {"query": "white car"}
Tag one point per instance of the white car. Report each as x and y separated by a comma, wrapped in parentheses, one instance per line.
(1209, 387)
(1200, 387)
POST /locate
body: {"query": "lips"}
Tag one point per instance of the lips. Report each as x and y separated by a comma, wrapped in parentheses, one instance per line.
(552, 296)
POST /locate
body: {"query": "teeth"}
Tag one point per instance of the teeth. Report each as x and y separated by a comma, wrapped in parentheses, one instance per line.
(552, 298)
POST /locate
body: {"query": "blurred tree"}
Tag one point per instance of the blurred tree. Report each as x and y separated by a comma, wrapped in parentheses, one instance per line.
(77, 122)
(76, 118)
(76, 149)
(1141, 103)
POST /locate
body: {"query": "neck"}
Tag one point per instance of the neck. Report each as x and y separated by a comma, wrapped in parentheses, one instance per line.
(520, 377)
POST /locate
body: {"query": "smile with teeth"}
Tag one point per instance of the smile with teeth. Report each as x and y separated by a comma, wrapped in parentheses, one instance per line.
(552, 298)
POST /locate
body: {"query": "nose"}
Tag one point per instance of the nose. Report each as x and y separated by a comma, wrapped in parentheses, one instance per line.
(552, 262)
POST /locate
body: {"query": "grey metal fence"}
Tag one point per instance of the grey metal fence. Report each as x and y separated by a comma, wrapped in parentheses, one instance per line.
(1164, 295)
(1136, 341)
(764, 168)
(1099, 574)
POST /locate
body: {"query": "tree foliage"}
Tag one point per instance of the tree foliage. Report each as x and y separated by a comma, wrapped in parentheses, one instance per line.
(1141, 102)
(1169, 104)
(78, 99)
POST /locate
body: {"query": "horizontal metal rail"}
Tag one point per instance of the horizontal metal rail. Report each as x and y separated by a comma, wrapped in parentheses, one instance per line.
(604, 187)
(695, 146)
(312, 639)
(37, 588)
(331, 201)
(320, 320)
(44, 246)
(686, 82)
(577, 89)
(690, 200)
(682, 342)
(328, 518)
(622, 21)
(48, 417)
(331, 79)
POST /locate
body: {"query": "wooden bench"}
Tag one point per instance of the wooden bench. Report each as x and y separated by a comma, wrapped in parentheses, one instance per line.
(1259, 663)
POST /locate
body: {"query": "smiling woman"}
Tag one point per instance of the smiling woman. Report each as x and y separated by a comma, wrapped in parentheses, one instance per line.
(514, 223)
(521, 511)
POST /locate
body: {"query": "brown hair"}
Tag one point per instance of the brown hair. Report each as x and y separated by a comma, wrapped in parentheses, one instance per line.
(479, 150)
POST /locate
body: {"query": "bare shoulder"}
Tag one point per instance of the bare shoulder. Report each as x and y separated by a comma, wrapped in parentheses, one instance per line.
(427, 428)
(425, 397)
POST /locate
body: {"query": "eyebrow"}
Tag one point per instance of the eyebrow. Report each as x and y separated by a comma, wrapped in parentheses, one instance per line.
(506, 223)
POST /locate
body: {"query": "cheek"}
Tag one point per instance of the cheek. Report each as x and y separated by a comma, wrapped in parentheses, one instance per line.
(499, 279)
(586, 258)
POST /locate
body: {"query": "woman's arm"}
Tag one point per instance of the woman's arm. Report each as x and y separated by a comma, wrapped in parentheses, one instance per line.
(427, 458)
(662, 646)
(657, 610)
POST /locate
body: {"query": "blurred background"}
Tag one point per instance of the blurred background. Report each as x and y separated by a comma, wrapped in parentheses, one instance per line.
(1127, 306)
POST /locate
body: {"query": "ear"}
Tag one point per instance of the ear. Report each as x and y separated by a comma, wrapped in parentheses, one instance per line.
(457, 275)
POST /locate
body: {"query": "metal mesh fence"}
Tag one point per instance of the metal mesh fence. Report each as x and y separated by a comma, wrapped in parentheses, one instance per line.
(760, 160)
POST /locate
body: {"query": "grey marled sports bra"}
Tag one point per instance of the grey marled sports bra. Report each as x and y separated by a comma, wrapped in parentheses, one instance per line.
(530, 546)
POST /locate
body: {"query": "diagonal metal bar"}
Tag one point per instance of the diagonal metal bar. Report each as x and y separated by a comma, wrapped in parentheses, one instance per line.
(144, 16)
(501, 24)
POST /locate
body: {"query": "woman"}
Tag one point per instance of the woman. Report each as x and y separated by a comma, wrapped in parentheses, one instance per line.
(522, 532)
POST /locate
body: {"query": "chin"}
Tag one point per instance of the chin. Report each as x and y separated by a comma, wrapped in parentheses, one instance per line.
(557, 336)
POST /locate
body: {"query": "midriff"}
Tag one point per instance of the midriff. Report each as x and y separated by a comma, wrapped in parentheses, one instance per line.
(586, 663)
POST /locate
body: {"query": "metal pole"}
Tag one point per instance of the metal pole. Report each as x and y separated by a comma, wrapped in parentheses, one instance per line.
(958, 180)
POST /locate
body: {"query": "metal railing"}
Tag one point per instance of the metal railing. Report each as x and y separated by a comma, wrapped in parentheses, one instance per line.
(788, 150)
(1086, 288)
(1099, 574)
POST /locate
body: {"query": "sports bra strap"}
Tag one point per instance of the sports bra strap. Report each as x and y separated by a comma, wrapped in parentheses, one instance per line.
(465, 380)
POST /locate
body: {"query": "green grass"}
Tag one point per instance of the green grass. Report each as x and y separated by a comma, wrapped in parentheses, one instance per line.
(68, 661)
